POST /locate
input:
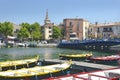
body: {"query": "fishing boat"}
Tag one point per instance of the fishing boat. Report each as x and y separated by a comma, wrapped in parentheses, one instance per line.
(75, 57)
(38, 72)
(108, 74)
(17, 64)
(105, 59)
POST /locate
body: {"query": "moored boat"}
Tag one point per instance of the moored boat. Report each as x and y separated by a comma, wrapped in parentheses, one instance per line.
(38, 72)
(105, 59)
(108, 74)
(17, 64)
(75, 56)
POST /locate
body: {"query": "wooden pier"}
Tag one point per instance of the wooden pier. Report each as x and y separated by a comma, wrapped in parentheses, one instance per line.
(83, 64)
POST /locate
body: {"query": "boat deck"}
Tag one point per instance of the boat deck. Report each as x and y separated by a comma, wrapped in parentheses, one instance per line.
(86, 64)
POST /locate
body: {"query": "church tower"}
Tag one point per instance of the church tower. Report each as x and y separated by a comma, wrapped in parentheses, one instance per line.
(46, 21)
(47, 28)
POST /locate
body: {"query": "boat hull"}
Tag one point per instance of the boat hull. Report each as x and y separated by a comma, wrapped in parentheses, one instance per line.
(108, 74)
(18, 64)
(72, 58)
(38, 72)
(75, 57)
(39, 77)
(105, 60)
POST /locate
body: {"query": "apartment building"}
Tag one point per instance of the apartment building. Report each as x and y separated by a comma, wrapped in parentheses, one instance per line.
(75, 28)
(106, 30)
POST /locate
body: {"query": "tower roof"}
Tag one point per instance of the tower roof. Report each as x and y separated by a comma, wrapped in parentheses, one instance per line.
(47, 18)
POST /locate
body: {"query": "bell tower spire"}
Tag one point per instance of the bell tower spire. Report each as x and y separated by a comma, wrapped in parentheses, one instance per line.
(46, 18)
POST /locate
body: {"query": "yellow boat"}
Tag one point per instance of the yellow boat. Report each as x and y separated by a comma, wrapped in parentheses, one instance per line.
(39, 72)
(17, 64)
(75, 56)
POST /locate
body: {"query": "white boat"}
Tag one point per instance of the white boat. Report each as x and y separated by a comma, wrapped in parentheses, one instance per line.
(109, 74)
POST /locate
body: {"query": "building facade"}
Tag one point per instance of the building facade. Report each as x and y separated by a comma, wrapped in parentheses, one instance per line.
(75, 28)
(47, 28)
(105, 31)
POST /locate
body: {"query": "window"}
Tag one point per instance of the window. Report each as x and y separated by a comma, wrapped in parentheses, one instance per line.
(49, 27)
(78, 25)
(50, 31)
(98, 29)
(72, 35)
(91, 29)
(105, 29)
(50, 36)
(110, 29)
(71, 24)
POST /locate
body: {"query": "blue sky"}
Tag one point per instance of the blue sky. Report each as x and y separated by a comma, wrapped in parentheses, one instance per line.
(18, 11)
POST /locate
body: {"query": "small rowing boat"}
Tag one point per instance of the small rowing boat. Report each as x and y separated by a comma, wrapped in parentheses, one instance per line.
(38, 72)
(105, 59)
(109, 74)
(75, 57)
(17, 64)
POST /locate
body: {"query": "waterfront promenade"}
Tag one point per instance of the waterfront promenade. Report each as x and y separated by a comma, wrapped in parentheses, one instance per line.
(83, 64)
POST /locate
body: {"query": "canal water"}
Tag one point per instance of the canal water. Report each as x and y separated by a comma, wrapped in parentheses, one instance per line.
(45, 53)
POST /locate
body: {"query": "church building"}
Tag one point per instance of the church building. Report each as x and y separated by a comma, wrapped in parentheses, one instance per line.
(47, 28)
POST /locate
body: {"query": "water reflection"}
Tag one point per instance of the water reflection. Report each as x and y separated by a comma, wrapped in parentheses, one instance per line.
(18, 53)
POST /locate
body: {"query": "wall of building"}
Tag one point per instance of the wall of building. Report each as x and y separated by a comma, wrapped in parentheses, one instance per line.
(48, 31)
(76, 25)
(109, 30)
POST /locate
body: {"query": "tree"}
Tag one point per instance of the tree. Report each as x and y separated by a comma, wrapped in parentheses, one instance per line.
(23, 33)
(6, 29)
(35, 31)
(56, 32)
(26, 25)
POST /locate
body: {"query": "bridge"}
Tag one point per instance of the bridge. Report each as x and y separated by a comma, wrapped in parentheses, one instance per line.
(98, 45)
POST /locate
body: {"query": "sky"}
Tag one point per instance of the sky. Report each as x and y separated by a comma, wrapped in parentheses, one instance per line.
(18, 11)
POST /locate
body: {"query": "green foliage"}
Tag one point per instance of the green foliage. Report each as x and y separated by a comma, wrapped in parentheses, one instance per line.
(6, 29)
(25, 25)
(56, 32)
(36, 35)
(23, 33)
(35, 26)
(34, 31)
